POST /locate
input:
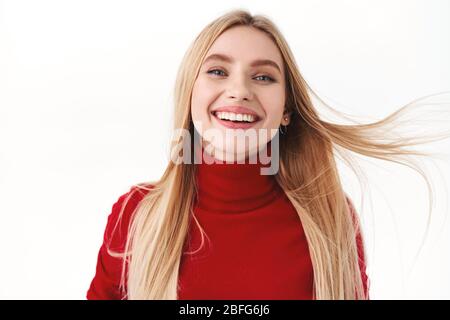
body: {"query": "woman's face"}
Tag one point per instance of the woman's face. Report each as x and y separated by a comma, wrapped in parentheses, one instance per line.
(243, 68)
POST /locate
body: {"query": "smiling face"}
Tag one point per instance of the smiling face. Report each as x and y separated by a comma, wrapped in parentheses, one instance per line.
(243, 69)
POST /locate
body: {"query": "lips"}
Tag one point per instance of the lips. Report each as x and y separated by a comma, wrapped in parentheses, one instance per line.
(237, 109)
(234, 125)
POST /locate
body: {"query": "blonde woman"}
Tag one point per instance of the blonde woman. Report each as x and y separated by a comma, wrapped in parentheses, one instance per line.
(212, 228)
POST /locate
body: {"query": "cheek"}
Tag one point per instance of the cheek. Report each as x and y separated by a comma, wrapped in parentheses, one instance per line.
(273, 102)
(198, 102)
(202, 97)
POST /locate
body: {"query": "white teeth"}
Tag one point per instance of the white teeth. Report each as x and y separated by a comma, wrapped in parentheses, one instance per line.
(235, 116)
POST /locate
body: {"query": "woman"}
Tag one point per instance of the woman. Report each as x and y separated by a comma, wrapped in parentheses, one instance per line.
(220, 229)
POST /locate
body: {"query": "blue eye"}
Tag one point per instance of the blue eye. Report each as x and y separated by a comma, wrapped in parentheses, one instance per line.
(211, 71)
(268, 79)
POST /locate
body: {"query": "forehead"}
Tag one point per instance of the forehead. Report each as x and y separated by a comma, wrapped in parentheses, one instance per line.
(246, 44)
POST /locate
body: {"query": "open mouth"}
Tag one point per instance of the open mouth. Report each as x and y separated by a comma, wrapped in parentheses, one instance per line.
(235, 118)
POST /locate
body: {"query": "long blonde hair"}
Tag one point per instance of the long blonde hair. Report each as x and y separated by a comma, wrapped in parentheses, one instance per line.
(308, 175)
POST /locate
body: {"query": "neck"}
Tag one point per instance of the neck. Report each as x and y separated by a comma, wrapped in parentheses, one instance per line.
(233, 187)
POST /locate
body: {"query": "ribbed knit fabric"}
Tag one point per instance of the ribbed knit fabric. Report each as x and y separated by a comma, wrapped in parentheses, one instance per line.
(256, 246)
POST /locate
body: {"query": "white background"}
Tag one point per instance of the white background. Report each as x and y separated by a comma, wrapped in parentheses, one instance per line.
(86, 109)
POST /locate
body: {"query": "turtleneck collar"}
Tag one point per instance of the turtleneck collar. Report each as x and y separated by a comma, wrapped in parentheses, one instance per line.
(233, 187)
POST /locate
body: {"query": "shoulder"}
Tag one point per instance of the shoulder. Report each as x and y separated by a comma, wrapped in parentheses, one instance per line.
(121, 214)
(352, 209)
(132, 197)
(356, 221)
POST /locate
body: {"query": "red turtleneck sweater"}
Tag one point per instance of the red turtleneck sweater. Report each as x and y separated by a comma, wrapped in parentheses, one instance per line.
(257, 248)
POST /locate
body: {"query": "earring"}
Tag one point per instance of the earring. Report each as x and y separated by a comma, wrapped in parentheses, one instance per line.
(285, 127)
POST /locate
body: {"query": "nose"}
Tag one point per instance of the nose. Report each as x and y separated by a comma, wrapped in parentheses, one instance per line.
(239, 89)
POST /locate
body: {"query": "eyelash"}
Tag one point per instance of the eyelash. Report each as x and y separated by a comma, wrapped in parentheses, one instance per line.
(270, 79)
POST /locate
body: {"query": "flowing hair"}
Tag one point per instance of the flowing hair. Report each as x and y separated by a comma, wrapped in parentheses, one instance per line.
(308, 175)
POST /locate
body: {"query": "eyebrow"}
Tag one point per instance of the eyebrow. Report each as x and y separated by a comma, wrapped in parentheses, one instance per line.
(255, 63)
